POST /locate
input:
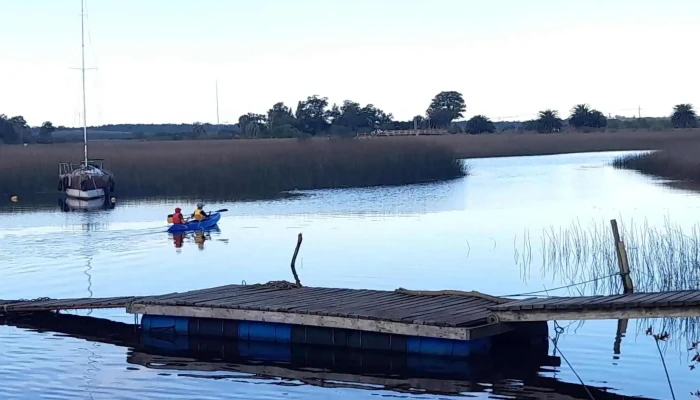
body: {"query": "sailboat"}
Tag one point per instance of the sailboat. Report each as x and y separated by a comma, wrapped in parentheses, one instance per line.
(87, 180)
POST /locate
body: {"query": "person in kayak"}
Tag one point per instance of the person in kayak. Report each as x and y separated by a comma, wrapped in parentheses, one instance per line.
(178, 218)
(199, 214)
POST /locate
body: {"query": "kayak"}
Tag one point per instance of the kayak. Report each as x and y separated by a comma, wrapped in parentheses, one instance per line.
(195, 225)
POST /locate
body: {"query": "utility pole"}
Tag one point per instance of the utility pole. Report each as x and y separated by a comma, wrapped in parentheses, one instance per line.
(218, 127)
(639, 112)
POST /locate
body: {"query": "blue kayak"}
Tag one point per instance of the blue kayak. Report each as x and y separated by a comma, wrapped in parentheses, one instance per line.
(195, 225)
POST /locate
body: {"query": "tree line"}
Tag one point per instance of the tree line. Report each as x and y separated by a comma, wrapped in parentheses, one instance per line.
(583, 117)
(15, 130)
(314, 116)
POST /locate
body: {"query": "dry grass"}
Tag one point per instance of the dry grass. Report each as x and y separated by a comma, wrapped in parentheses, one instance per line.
(529, 144)
(679, 162)
(260, 167)
(233, 168)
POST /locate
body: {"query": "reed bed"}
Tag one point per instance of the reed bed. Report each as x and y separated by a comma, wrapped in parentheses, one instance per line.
(675, 162)
(531, 144)
(582, 257)
(234, 168)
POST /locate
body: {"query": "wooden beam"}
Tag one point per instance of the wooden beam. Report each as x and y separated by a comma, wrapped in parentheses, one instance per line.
(622, 261)
(630, 313)
(294, 260)
(357, 324)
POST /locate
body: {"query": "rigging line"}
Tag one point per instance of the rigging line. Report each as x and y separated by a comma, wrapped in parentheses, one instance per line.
(572, 368)
(561, 287)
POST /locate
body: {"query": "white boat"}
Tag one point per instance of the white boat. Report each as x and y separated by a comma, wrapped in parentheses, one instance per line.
(94, 204)
(88, 179)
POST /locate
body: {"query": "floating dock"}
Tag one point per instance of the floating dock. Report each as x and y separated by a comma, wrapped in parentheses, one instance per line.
(404, 321)
(445, 323)
(497, 373)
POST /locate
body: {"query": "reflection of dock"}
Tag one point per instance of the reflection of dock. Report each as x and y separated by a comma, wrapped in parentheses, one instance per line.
(498, 373)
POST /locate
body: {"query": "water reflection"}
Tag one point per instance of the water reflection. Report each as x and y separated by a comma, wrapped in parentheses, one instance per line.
(197, 238)
(455, 235)
(68, 204)
(498, 374)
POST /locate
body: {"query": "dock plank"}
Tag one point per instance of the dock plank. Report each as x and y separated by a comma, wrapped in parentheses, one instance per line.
(396, 306)
(448, 310)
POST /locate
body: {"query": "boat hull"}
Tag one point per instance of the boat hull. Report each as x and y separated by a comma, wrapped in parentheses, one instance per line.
(85, 194)
(208, 223)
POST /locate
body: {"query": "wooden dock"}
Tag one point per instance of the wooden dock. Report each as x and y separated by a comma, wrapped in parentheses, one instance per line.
(448, 315)
(48, 304)
(434, 322)
(625, 306)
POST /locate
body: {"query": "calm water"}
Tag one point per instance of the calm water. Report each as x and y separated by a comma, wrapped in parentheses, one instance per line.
(458, 235)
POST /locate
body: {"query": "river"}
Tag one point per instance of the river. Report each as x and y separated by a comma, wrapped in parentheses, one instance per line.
(466, 234)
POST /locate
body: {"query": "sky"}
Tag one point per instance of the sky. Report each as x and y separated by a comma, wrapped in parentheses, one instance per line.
(158, 61)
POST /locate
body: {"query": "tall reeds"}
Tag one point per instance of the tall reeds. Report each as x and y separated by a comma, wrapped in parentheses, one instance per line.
(662, 257)
(675, 162)
(234, 168)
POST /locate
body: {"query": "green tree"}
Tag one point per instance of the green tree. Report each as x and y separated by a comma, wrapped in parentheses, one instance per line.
(13, 129)
(684, 116)
(311, 115)
(286, 131)
(375, 118)
(583, 116)
(5, 129)
(531, 125)
(197, 130)
(454, 129)
(280, 115)
(445, 108)
(597, 120)
(479, 124)
(548, 121)
(253, 125)
(333, 115)
(349, 115)
(46, 131)
(419, 122)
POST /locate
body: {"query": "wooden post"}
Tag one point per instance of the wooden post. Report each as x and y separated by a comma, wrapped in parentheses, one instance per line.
(622, 261)
(294, 259)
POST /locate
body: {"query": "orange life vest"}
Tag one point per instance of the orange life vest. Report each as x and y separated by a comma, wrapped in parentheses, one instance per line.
(178, 219)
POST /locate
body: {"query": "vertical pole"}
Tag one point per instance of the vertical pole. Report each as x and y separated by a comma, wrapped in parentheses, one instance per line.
(622, 261)
(217, 106)
(82, 42)
(294, 260)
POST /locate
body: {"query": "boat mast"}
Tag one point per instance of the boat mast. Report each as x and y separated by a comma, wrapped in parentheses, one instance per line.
(82, 69)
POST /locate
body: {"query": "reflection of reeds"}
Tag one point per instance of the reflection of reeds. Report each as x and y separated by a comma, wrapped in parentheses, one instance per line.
(662, 258)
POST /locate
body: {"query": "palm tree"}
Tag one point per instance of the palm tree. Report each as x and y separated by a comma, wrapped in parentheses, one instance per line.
(548, 121)
(580, 115)
(479, 124)
(684, 116)
(597, 119)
